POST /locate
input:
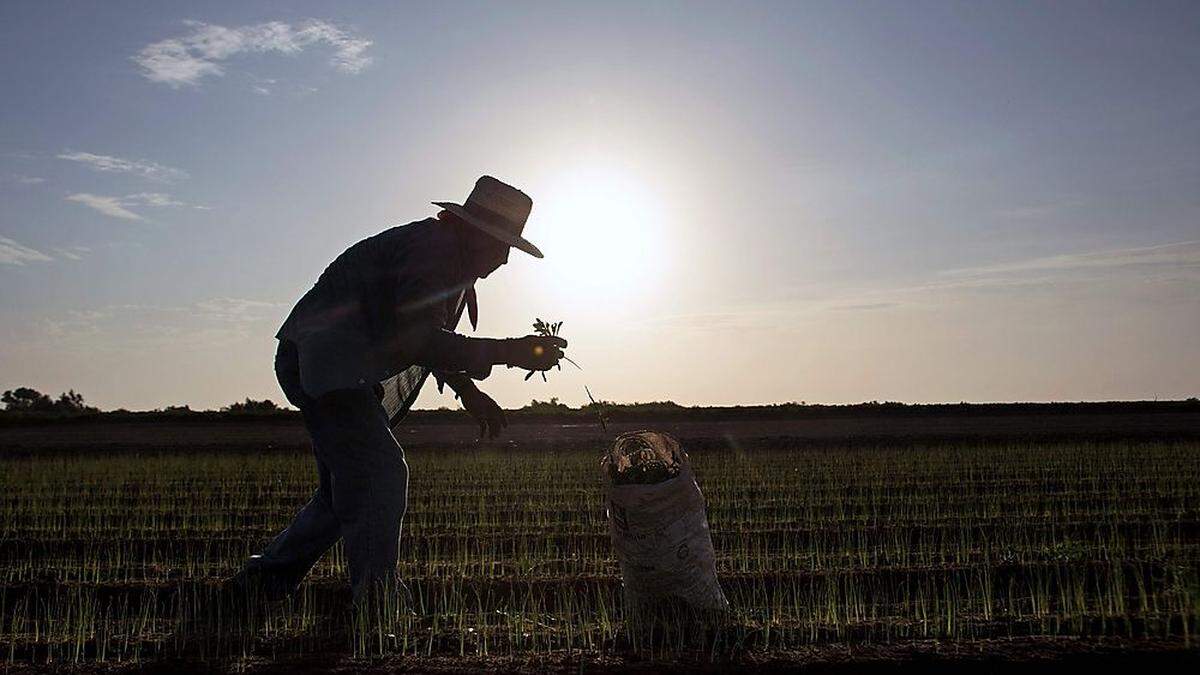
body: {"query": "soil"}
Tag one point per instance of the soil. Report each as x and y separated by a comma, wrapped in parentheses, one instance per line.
(1026, 656)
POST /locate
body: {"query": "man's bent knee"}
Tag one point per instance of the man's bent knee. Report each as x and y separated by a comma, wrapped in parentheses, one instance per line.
(394, 487)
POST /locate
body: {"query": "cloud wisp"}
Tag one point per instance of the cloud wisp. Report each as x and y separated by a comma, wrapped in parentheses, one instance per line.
(12, 253)
(1185, 254)
(118, 207)
(213, 323)
(1168, 263)
(186, 60)
(1096, 272)
(138, 167)
(22, 180)
(863, 306)
(72, 252)
(109, 206)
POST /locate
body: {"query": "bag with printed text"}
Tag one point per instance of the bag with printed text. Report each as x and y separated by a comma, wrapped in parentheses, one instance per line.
(657, 521)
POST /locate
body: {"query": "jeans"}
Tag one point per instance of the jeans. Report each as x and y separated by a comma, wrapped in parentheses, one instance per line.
(362, 492)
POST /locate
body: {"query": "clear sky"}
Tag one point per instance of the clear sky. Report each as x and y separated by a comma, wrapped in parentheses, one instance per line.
(739, 202)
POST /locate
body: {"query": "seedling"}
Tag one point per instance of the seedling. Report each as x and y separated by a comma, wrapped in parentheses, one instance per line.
(548, 329)
(551, 329)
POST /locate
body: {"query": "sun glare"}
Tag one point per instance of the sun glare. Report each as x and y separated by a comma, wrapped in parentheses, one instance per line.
(602, 230)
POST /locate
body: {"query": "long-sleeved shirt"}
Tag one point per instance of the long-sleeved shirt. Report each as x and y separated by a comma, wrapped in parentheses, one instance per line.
(385, 310)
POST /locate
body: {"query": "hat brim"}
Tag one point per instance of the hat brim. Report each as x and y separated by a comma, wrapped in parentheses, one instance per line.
(514, 240)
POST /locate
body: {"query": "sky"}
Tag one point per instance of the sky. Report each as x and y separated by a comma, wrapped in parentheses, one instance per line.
(739, 203)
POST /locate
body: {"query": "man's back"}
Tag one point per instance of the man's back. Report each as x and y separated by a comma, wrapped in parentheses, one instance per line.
(366, 289)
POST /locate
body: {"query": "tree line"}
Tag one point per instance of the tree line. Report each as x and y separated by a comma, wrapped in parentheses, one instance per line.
(27, 399)
(26, 402)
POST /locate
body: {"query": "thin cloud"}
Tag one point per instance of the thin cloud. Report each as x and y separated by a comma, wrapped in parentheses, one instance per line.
(237, 309)
(157, 199)
(1041, 210)
(1181, 254)
(12, 253)
(72, 252)
(263, 85)
(185, 61)
(138, 167)
(22, 180)
(109, 206)
(1167, 263)
(211, 323)
(864, 306)
(118, 207)
(153, 199)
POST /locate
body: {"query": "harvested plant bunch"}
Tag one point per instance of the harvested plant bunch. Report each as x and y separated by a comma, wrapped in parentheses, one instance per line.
(643, 458)
(547, 329)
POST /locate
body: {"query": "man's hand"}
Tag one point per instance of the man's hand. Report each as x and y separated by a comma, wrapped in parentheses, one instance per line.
(484, 410)
(534, 352)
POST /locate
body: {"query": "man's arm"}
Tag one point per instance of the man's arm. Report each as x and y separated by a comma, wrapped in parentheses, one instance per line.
(481, 407)
(458, 382)
(449, 352)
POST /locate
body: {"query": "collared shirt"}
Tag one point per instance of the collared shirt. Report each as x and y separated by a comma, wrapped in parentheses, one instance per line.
(387, 305)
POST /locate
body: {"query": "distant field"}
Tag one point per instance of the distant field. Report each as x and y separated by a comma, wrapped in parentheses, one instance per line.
(890, 553)
(287, 432)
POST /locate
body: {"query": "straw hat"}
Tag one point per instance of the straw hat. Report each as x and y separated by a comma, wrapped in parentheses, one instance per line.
(498, 209)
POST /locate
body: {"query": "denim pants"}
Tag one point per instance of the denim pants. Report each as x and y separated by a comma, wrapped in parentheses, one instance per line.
(362, 493)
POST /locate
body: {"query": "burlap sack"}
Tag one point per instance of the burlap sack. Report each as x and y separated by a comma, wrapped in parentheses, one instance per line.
(660, 531)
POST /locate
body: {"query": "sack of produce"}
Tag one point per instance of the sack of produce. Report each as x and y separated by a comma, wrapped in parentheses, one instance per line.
(658, 525)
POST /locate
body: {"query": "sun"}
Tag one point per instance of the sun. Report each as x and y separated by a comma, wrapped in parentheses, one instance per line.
(602, 231)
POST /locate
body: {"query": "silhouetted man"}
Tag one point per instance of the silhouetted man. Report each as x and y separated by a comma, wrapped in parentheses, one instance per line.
(352, 357)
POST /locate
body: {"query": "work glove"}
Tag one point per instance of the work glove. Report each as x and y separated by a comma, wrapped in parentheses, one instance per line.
(533, 352)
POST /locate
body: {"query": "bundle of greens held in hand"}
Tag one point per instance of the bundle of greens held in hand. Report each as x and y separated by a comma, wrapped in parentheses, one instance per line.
(546, 329)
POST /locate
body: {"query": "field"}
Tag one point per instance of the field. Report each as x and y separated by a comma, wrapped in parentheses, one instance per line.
(864, 554)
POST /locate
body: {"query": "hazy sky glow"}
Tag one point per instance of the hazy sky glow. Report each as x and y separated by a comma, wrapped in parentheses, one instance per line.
(739, 202)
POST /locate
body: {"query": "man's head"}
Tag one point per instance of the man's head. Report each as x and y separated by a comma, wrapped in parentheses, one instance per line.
(482, 253)
(489, 223)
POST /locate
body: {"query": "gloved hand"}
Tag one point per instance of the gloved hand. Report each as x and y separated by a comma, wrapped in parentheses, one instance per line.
(533, 352)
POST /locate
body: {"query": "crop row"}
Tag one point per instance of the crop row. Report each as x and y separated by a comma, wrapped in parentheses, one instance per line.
(506, 551)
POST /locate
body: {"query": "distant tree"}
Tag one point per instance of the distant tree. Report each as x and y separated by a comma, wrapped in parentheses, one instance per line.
(26, 399)
(72, 403)
(250, 406)
(550, 407)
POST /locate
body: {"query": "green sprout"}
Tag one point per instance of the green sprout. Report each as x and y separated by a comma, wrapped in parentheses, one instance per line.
(549, 329)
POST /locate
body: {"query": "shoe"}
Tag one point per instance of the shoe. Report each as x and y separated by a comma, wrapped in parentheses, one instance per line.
(253, 581)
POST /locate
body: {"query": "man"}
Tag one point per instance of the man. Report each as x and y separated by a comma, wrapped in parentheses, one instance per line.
(352, 357)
